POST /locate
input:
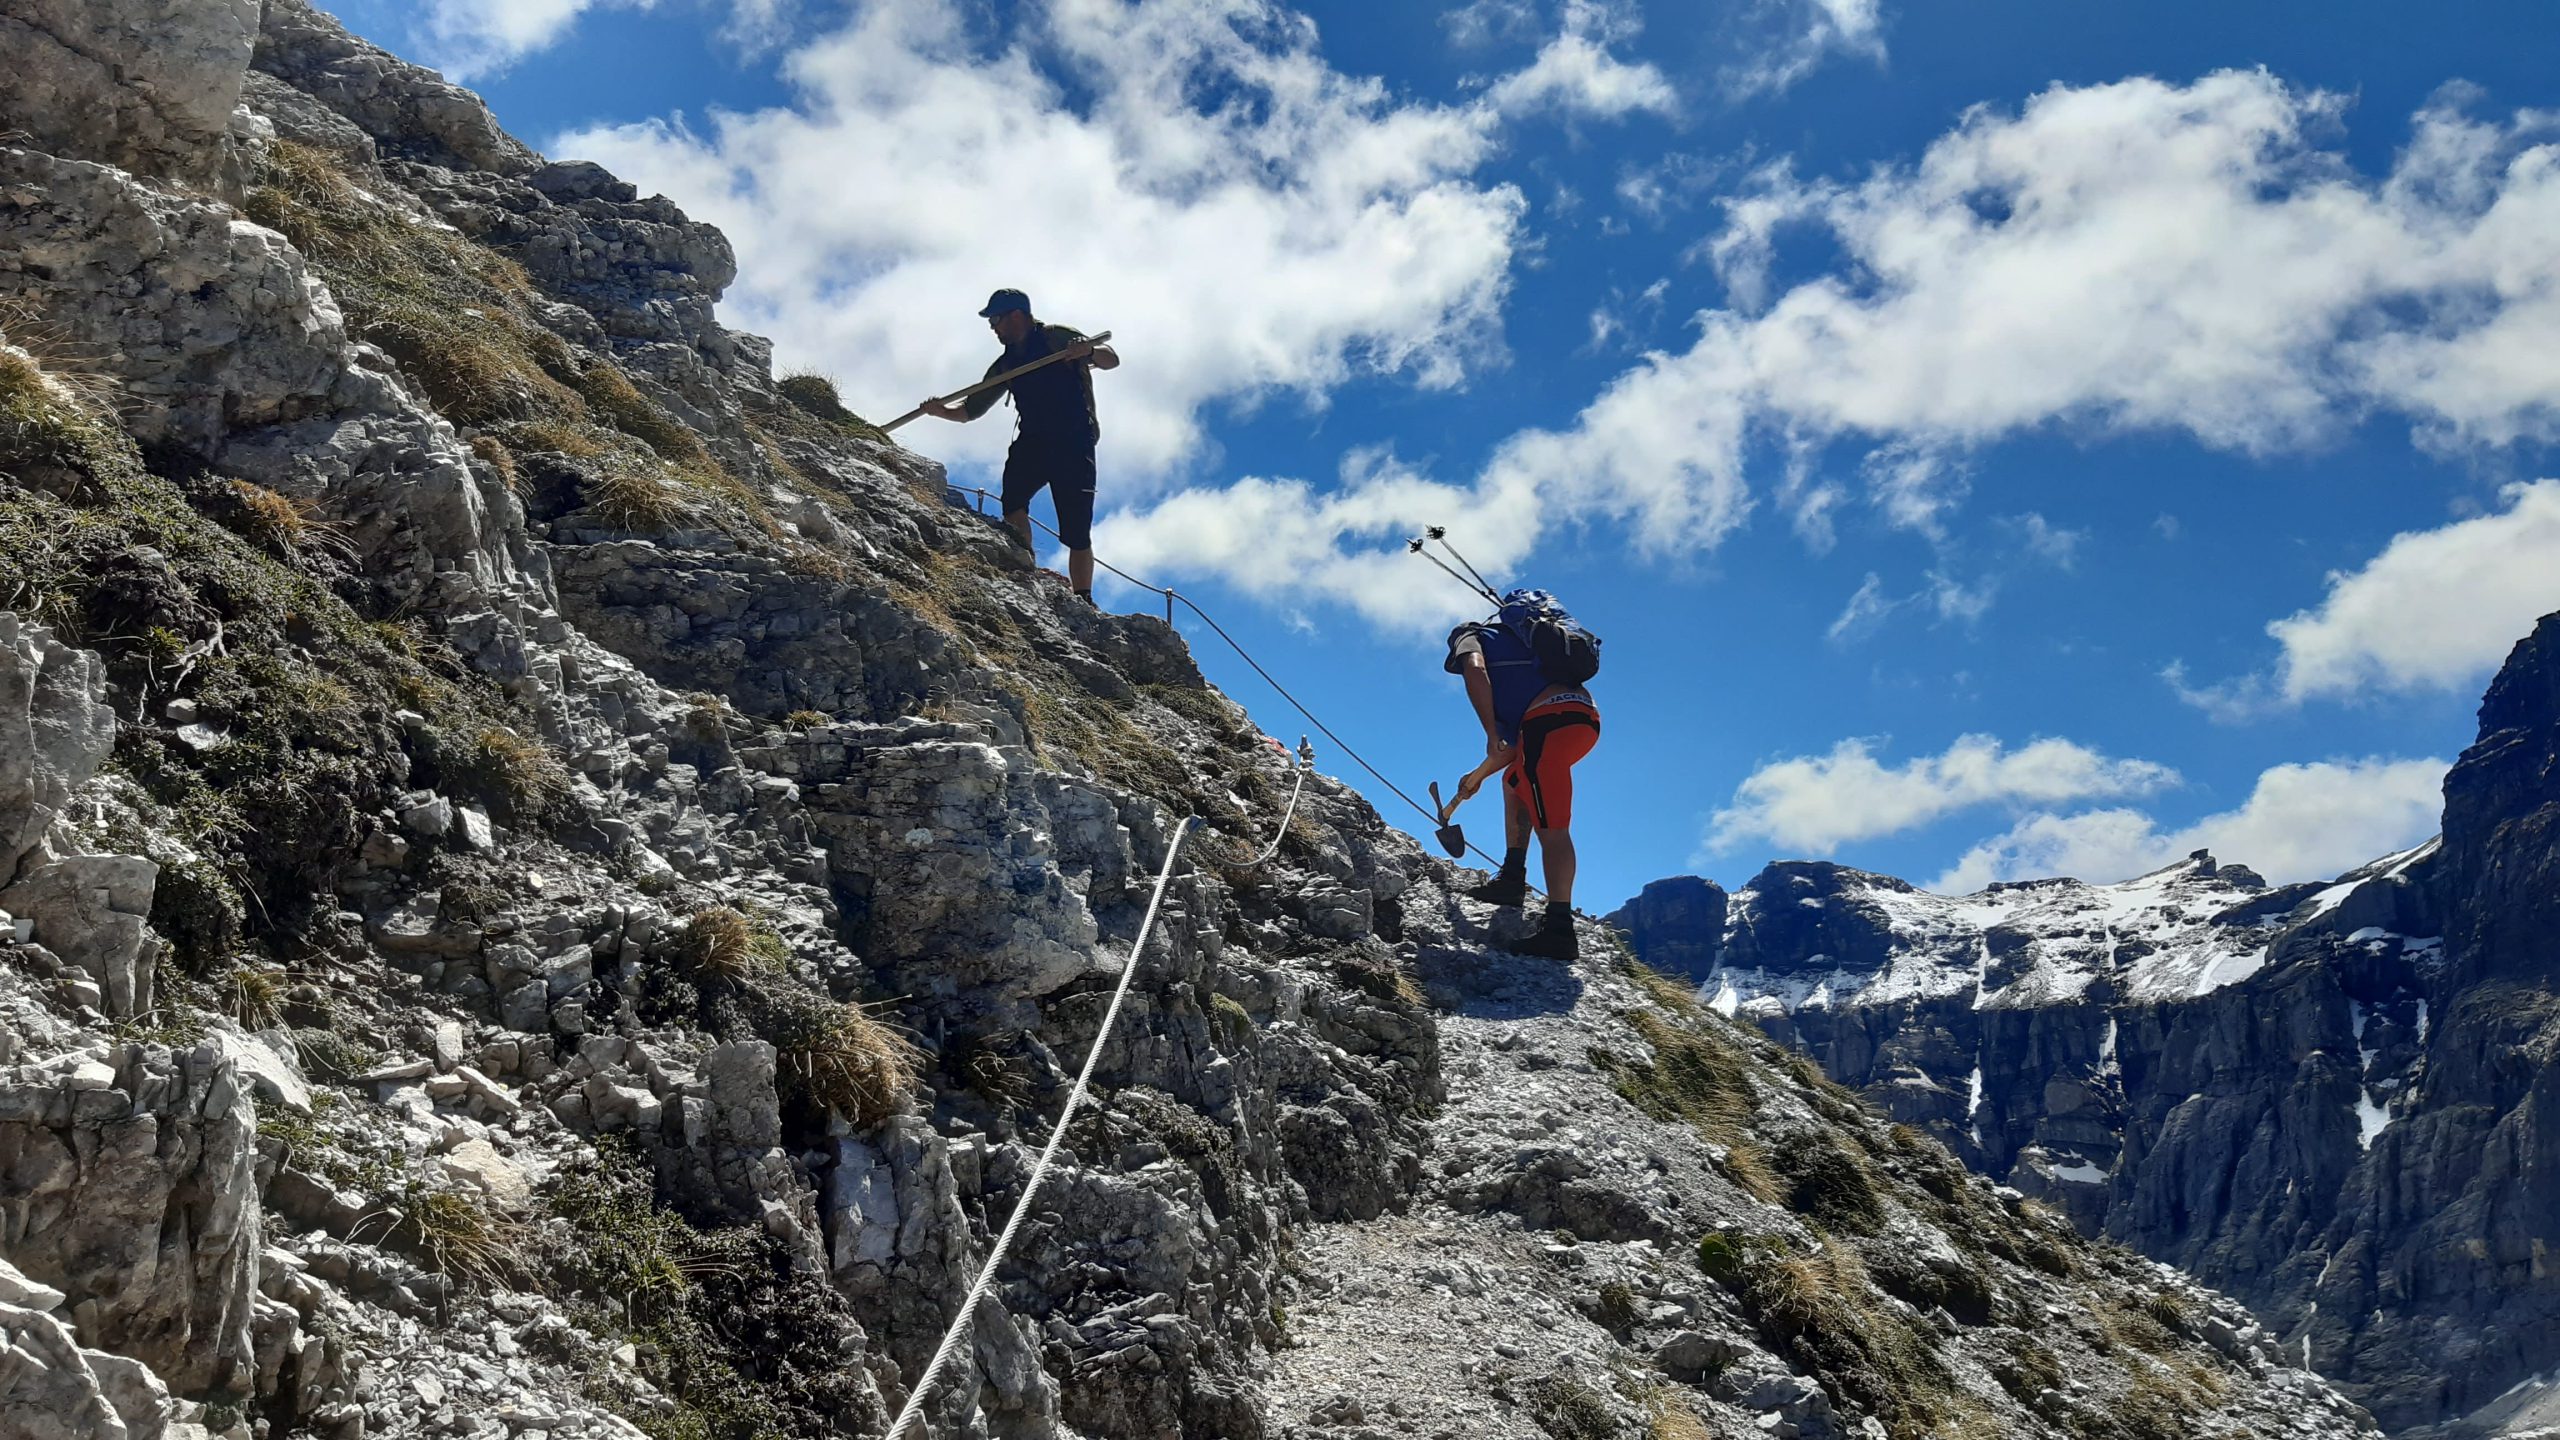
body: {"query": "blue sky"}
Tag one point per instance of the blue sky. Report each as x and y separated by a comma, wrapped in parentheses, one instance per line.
(1995, 439)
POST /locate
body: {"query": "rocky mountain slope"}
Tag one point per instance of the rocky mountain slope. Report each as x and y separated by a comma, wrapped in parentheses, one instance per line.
(2330, 1099)
(554, 886)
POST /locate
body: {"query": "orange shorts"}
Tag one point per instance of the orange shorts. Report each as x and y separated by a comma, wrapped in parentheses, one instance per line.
(1554, 734)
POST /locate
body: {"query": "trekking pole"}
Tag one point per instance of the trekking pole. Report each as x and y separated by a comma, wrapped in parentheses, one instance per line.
(1414, 547)
(1441, 534)
(991, 382)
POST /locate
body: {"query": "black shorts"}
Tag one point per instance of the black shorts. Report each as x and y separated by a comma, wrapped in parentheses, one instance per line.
(1065, 470)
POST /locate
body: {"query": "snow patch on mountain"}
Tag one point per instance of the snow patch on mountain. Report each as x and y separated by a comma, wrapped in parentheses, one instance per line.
(2158, 936)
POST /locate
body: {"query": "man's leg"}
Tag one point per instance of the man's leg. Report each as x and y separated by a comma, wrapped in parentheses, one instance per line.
(1022, 480)
(1551, 794)
(1555, 850)
(1072, 491)
(1510, 883)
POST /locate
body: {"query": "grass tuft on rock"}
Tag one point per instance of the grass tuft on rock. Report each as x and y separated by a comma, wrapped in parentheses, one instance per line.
(835, 1057)
(728, 944)
(1568, 1409)
(456, 1234)
(1830, 1185)
(298, 693)
(1699, 1076)
(1822, 1313)
(814, 406)
(458, 317)
(745, 1345)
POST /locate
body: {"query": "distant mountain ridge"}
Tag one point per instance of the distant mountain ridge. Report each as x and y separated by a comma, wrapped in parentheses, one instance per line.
(2338, 1100)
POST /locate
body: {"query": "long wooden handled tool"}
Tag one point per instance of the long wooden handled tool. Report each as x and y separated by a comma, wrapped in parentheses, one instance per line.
(993, 381)
(1453, 838)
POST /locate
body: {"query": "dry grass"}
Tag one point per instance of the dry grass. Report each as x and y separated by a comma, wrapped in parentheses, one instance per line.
(458, 317)
(1697, 1075)
(631, 493)
(1821, 1311)
(842, 1060)
(815, 395)
(804, 721)
(279, 522)
(2169, 1311)
(52, 429)
(1674, 1420)
(1747, 1165)
(1829, 1184)
(732, 945)
(252, 996)
(463, 323)
(519, 777)
(556, 437)
(455, 1234)
(494, 453)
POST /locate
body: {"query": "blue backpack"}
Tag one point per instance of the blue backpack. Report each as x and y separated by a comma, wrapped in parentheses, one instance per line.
(1565, 652)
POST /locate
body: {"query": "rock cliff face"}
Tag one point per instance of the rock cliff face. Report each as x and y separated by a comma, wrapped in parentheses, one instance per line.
(554, 886)
(2324, 1098)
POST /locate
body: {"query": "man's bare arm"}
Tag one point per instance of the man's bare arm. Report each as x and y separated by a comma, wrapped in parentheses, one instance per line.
(1480, 694)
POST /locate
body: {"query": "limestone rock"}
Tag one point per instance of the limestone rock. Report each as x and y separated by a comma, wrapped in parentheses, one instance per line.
(55, 730)
(148, 85)
(139, 1203)
(94, 911)
(48, 1391)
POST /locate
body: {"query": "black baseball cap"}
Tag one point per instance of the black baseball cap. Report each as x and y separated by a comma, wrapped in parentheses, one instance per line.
(1004, 300)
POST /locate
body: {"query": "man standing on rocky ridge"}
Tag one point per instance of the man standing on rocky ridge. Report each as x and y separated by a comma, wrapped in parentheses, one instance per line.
(1527, 671)
(1055, 427)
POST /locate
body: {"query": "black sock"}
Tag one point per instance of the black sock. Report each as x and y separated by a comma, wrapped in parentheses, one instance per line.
(1559, 914)
(1515, 863)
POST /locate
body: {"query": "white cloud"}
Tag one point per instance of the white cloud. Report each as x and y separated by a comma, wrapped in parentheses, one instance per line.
(1246, 219)
(470, 38)
(2053, 544)
(1575, 74)
(2300, 822)
(1490, 22)
(1955, 600)
(2136, 256)
(1865, 611)
(1915, 487)
(2436, 610)
(1815, 804)
(1800, 34)
(1671, 182)
(1279, 539)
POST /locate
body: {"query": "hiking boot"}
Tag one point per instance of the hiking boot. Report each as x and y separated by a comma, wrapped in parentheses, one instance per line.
(1551, 941)
(1502, 890)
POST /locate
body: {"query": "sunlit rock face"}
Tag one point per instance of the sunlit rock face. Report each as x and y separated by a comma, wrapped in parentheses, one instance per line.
(555, 885)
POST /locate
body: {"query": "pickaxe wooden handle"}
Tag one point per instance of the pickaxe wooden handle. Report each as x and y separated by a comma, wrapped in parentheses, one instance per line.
(993, 381)
(1468, 785)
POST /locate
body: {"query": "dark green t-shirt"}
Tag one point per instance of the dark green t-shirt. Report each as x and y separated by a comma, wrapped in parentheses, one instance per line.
(1053, 403)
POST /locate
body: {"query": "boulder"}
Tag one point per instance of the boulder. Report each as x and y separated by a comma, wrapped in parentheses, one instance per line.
(139, 1202)
(147, 85)
(48, 1390)
(55, 730)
